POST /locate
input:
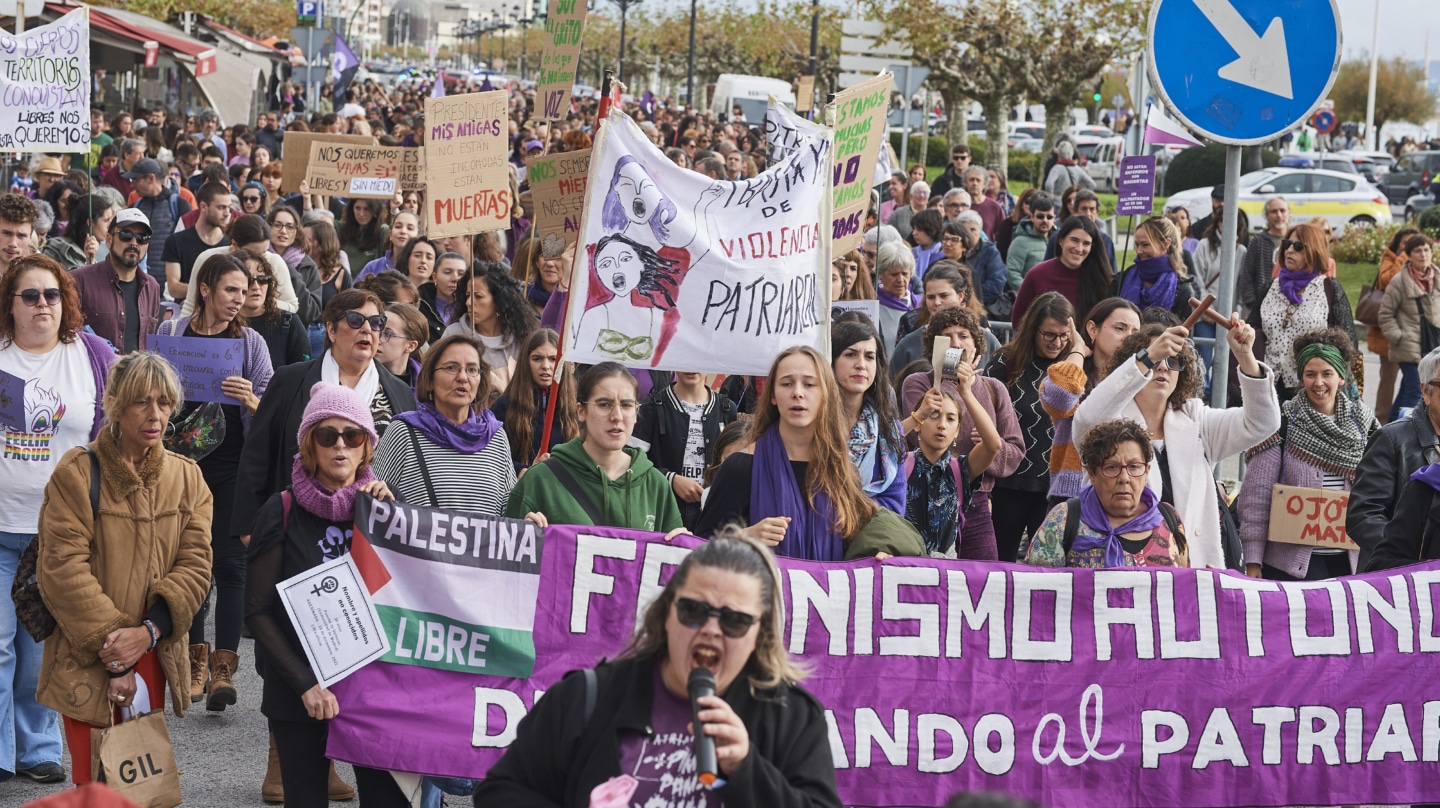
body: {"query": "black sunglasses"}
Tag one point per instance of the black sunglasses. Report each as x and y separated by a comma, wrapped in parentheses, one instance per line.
(694, 614)
(127, 236)
(356, 320)
(1286, 245)
(249, 199)
(264, 280)
(31, 297)
(326, 436)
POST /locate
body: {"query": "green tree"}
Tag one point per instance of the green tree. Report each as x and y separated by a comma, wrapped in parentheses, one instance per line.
(1401, 93)
(257, 18)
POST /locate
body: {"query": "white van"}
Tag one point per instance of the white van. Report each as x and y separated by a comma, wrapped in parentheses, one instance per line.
(750, 93)
(1103, 161)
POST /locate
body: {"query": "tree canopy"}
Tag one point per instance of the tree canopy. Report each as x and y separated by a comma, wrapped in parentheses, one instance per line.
(1401, 93)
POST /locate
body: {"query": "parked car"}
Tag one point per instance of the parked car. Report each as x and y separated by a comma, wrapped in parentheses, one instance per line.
(1418, 204)
(1104, 164)
(1339, 198)
(1410, 176)
(1092, 131)
(1329, 162)
(1026, 128)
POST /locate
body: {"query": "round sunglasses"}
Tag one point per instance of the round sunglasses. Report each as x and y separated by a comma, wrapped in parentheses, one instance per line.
(327, 436)
(694, 614)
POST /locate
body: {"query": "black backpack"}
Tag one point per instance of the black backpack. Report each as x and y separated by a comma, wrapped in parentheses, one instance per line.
(1072, 524)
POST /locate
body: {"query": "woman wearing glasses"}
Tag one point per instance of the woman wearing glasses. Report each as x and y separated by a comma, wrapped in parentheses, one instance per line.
(308, 521)
(252, 198)
(249, 232)
(283, 332)
(404, 333)
(769, 732)
(450, 451)
(214, 436)
(1118, 520)
(598, 478)
(1154, 380)
(289, 242)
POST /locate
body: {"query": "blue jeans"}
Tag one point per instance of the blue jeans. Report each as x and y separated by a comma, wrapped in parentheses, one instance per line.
(1409, 393)
(29, 732)
(316, 333)
(432, 787)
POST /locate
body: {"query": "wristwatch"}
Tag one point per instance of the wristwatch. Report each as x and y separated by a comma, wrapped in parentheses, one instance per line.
(1144, 358)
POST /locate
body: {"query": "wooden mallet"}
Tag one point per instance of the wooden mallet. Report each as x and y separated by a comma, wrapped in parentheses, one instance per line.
(1213, 316)
(1200, 309)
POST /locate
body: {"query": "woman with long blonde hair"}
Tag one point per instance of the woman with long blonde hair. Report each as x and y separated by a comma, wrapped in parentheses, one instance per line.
(1159, 278)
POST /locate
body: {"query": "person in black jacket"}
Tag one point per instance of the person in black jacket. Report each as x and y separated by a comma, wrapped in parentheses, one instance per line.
(770, 734)
(1410, 537)
(353, 321)
(676, 427)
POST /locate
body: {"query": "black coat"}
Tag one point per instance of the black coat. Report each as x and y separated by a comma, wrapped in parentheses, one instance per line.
(1410, 537)
(274, 436)
(427, 307)
(557, 758)
(662, 430)
(1396, 451)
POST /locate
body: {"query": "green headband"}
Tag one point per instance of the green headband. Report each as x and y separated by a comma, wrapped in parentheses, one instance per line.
(1319, 350)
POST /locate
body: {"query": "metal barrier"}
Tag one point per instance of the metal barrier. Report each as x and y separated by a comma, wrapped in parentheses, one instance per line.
(1004, 331)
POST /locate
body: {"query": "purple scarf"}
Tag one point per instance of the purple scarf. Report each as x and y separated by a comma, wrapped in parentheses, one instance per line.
(1163, 280)
(1092, 513)
(1430, 475)
(1293, 282)
(889, 301)
(775, 492)
(335, 506)
(293, 255)
(536, 294)
(467, 438)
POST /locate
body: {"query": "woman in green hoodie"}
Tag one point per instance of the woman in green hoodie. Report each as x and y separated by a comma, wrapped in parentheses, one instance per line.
(597, 478)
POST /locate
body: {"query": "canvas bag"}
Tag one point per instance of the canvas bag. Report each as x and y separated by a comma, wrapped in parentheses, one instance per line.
(136, 760)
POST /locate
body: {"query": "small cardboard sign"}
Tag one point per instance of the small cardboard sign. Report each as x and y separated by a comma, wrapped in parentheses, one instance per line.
(364, 172)
(467, 169)
(203, 364)
(557, 185)
(296, 165)
(559, 58)
(1314, 517)
(805, 94)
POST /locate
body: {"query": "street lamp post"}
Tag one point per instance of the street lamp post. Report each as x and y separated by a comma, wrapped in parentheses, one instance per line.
(690, 64)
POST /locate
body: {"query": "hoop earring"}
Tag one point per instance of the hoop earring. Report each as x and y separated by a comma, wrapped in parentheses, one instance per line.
(115, 432)
(169, 431)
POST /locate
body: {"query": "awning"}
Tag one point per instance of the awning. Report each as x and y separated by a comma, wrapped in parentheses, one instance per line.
(248, 43)
(230, 86)
(142, 29)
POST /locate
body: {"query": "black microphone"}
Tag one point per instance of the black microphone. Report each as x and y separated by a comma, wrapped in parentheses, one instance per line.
(702, 683)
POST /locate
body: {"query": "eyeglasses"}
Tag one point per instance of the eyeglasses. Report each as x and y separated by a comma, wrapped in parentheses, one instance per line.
(454, 368)
(695, 614)
(952, 206)
(326, 436)
(261, 280)
(1175, 363)
(605, 406)
(127, 236)
(31, 297)
(387, 335)
(951, 240)
(1053, 336)
(283, 226)
(1043, 217)
(1112, 470)
(356, 320)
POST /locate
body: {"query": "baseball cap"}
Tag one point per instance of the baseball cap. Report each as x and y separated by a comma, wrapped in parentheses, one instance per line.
(143, 167)
(128, 216)
(534, 144)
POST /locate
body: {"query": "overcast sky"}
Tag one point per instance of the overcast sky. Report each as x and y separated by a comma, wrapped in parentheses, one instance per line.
(1403, 26)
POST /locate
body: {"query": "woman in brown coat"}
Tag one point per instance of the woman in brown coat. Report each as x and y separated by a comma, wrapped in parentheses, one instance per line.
(1413, 296)
(123, 591)
(1391, 262)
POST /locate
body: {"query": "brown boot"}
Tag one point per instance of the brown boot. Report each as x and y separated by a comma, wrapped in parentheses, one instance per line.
(272, 790)
(199, 670)
(339, 789)
(221, 692)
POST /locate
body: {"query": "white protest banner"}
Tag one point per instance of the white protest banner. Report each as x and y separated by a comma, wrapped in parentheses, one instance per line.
(365, 172)
(784, 129)
(859, 130)
(45, 87)
(564, 28)
(557, 186)
(334, 618)
(685, 273)
(467, 177)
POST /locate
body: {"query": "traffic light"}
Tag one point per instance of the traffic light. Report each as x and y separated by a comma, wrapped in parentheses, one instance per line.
(1099, 86)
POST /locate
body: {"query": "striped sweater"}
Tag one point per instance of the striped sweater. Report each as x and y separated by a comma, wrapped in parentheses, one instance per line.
(478, 482)
(1060, 395)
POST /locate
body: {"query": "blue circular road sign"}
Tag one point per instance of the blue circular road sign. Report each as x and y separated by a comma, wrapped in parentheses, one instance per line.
(1324, 121)
(1243, 72)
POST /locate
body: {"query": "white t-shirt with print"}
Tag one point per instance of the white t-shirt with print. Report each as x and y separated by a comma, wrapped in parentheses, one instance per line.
(694, 465)
(59, 414)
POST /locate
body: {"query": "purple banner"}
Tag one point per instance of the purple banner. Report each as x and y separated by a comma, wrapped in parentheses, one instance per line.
(1136, 186)
(1071, 687)
(203, 364)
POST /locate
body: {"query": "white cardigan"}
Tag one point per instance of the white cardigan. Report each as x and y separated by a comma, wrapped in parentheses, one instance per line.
(285, 298)
(1197, 436)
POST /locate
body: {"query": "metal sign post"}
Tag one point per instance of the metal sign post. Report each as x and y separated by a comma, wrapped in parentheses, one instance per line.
(1240, 72)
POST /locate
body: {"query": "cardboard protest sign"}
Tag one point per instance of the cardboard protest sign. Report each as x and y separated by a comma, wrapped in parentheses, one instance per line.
(859, 130)
(564, 28)
(557, 188)
(805, 94)
(203, 364)
(45, 86)
(681, 272)
(364, 172)
(467, 176)
(297, 155)
(1311, 516)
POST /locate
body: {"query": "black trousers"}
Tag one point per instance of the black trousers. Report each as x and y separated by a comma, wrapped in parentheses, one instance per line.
(1015, 513)
(1322, 568)
(305, 771)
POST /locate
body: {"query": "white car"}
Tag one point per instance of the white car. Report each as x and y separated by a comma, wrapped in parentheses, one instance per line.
(1103, 164)
(1342, 199)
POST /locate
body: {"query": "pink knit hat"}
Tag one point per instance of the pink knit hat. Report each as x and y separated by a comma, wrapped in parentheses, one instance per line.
(334, 401)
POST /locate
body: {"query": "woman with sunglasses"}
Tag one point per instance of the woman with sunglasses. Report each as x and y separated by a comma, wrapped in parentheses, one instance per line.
(770, 734)
(404, 227)
(252, 198)
(450, 451)
(283, 332)
(1410, 308)
(250, 232)
(1155, 380)
(308, 521)
(288, 241)
(219, 439)
(599, 478)
(1300, 299)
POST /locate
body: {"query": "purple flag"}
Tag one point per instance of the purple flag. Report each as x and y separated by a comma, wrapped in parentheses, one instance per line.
(343, 65)
(438, 90)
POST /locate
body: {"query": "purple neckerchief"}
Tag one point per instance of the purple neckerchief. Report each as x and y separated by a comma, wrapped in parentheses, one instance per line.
(889, 301)
(536, 294)
(1430, 475)
(467, 438)
(1163, 280)
(1293, 282)
(334, 506)
(1092, 513)
(775, 492)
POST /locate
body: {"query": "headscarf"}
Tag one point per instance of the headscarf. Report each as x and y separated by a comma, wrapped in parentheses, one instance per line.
(1092, 513)
(1162, 279)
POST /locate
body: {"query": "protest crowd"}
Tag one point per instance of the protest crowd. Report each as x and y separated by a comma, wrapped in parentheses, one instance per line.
(1068, 426)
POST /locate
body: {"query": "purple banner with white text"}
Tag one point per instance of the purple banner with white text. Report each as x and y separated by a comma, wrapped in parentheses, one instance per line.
(1070, 687)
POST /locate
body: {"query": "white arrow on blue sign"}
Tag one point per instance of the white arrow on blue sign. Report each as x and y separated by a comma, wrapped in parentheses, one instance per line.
(1243, 72)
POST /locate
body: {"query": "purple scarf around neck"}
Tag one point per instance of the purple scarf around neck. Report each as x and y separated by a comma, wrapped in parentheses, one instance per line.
(1430, 475)
(775, 492)
(889, 301)
(536, 294)
(1163, 280)
(293, 255)
(336, 506)
(1092, 513)
(467, 438)
(1293, 282)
